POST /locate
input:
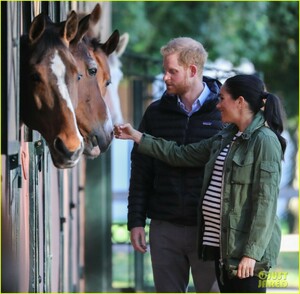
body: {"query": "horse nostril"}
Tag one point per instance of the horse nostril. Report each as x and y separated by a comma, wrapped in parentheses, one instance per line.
(61, 147)
(94, 141)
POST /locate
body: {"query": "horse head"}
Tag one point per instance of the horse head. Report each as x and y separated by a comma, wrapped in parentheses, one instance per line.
(112, 97)
(108, 56)
(93, 116)
(101, 53)
(49, 87)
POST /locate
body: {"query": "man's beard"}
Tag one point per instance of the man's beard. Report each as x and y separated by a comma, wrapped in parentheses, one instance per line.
(178, 89)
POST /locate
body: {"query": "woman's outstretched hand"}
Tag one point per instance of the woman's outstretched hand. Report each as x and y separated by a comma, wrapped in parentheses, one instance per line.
(127, 132)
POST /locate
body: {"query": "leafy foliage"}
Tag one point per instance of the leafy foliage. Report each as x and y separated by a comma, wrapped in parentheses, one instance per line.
(266, 33)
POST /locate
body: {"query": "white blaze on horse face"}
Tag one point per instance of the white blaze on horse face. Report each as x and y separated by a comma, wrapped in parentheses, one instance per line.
(59, 70)
(93, 63)
(108, 125)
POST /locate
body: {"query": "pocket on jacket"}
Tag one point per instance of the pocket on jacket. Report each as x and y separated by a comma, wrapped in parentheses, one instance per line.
(242, 170)
(269, 172)
(237, 236)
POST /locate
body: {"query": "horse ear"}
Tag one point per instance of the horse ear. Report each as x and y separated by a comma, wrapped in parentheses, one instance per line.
(83, 28)
(86, 22)
(124, 39)
(94, 30)
(70, 27)
(37, 27)
(111, 44)
(96, 14)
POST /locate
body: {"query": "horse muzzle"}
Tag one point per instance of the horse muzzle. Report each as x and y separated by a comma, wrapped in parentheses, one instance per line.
(62, 157)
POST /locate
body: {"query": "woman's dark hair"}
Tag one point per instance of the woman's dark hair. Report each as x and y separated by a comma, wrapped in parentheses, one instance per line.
(253, 90)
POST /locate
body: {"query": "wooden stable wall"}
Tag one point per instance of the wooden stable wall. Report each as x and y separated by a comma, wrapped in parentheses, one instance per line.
(43, 208)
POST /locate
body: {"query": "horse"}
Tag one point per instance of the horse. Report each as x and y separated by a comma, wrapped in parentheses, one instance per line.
(101, 53)
(112, 97)
(107, 57)
(49, 87)
(93, 116)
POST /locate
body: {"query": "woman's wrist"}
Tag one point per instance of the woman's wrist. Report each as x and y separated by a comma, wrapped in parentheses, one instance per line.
(137, 136)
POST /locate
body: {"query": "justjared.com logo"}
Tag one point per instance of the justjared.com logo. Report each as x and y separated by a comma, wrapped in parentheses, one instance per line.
(272, 279)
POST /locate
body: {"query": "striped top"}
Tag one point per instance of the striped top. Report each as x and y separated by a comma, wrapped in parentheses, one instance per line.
(211, 205)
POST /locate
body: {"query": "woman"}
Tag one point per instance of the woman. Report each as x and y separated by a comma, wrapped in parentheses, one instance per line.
(238, 227)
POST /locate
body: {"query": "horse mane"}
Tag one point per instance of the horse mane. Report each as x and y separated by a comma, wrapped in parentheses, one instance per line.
(24, 44)
(49, 39)
(95, 42)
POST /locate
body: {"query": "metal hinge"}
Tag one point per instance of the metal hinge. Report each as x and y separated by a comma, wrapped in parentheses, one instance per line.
(14, 164)
(39, 151)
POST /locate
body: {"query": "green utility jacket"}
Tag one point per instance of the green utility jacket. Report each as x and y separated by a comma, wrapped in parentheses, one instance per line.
(252, 170)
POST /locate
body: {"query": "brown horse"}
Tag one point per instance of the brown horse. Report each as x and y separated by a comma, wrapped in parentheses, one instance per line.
(101, 52)
(49, 87)
(106, 55)
(92, 114)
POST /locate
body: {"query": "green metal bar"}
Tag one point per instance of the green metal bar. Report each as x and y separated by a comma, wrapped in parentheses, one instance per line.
(47, 220)
(34, 253)
(61, 236)
(98, 246)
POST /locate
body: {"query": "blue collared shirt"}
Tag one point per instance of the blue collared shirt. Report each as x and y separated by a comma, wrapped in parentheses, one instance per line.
(198, 102)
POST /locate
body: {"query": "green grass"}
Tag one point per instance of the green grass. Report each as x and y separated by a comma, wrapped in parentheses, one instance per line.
(289, 262)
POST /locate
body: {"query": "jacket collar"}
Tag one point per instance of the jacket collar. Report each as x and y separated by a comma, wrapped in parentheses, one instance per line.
(258, 122)
(214, 85)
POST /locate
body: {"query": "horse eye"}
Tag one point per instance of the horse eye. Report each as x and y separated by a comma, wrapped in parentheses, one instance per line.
(92, 71)
(36, 77)
(108, 83)
(79, 77)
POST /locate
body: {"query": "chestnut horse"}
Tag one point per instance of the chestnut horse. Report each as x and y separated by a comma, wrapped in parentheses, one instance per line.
(49, 87)
(93, 116)
(107, 57)
(101, 52)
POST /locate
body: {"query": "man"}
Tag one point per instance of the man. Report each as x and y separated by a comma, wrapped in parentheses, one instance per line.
(169, 196)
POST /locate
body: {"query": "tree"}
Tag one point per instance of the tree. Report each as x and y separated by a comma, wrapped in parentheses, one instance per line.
(266, 33)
